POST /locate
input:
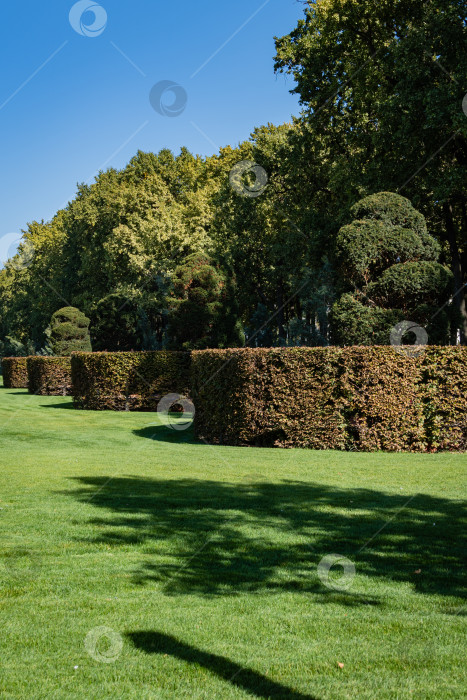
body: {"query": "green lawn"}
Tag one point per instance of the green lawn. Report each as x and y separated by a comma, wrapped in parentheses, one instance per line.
(203, 561)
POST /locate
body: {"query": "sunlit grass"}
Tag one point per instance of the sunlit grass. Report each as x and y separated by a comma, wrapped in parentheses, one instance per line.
(203, 562)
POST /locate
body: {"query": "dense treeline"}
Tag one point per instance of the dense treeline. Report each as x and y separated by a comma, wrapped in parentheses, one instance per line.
(184, 252)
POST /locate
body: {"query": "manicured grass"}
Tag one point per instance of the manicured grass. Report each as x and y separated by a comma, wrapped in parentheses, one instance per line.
(204, 562)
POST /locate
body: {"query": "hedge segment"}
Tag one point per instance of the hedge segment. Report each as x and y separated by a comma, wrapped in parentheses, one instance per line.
(444, 394)
(49, 376)
(379, 400)
(268, 397)
(15, 372)
(131, 381)
(355, 398)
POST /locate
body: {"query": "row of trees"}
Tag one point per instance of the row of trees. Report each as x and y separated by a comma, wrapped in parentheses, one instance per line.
(172, 251)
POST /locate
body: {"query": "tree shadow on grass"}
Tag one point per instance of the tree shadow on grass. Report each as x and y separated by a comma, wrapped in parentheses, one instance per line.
(218, 538)
(260, 686)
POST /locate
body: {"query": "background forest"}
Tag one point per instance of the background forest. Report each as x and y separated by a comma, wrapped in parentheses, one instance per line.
(343, 222)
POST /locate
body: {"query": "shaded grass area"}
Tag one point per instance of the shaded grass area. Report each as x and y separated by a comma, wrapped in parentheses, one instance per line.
(204, 560)
(268, 536)
(239, 676)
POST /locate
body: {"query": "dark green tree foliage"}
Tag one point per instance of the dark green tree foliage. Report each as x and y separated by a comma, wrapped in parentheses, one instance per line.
(10, 347)
(69, 331)
(114, 324)
(356, 323)
(277, 244)
(413, 283)
(122, 322)
(202, 307)
(389, 272)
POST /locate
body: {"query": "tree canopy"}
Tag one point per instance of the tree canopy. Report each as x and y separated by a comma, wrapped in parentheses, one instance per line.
(382, 86)
(353, 215)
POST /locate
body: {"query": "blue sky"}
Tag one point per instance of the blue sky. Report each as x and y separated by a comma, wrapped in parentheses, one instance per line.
(86, 103)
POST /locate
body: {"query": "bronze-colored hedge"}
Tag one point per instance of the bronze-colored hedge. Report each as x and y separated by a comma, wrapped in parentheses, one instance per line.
(356, 398)
(15, 372)
(131, 381)
(379, 399)
(49, 376)
(444, 395)
(361, 398)
(268, 397)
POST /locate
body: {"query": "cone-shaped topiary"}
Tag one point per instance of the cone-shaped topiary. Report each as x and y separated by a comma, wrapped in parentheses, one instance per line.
(69, 331)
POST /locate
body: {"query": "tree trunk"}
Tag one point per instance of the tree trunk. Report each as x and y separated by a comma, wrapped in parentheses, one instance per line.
(456, 267)
(280, 315)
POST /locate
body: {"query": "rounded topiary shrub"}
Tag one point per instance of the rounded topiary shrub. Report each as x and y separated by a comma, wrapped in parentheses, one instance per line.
(389, 272)
(69, 332)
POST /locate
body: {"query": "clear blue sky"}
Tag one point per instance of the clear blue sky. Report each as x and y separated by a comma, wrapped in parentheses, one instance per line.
(88, 107)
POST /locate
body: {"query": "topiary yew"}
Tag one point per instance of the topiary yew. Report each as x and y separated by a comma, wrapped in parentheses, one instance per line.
(69, 331)
(202, 308)
(389, 272)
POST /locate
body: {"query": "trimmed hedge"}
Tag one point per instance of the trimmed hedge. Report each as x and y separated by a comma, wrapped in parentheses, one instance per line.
(15, 372)
(357, 398)
(444, 394)
(268, 397)
(380, 401)
(49, 376)
(128, 381)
